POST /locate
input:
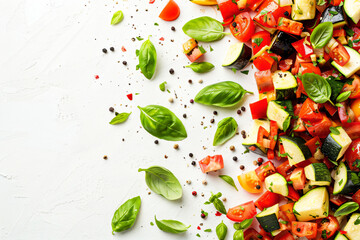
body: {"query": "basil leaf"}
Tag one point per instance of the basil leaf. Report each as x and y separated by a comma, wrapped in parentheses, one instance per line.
(321, 35)
(226, 129)
(229, 180)
(238, 235)
(204, 29)
(246, 223)
(346, 209)
(336, 87)
(120, 118)
(201, 67)
(219, 205)
(147, 59)
(162, 123)
(222, 94)
(125, 216)
(334, 130)
(317, 88)
(357, 221)
(161, 181)
(221, 230)
(162, 86)
(117, 17)
(171, 226)
(343, 96)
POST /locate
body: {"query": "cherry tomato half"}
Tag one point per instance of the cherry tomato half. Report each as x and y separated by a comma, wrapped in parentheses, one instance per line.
(260, 40)
(352, 155)
(304, 229)
(170, 12)
(242, 212)
(243, 27)
(330, 224)
(250, 182)
(339, 54)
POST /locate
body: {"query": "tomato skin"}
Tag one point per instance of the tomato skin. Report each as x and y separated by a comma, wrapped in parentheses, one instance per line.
(264, 170)
(303, 48)
(321, 129)
(170, 12)
(298, 183)
(354, 87)
(309, 68)
(249, 181)
(356, 44)
(273, 13)
(339, 33)
(266, 200)
(242, 212)
(243, 27)
(194, 55)
(258, 109)
(264, 81)
(355, 107)
(284, 168)
(254, 4)
(213, 163)
(356, 197)
(307, 229)
(228, 9)
(285, 65)
(288, 210)
(264, 62)
(252, 234)
(352, 154)
(310, 111)
(313, 144)
(289, 26)
(353, 130)
(344, 114)
(266, 41)
(293, 195)
(330, 224)
(339, 54)
(336, 2)
(338, 200)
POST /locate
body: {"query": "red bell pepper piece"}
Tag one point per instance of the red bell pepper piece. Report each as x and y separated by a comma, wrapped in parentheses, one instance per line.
(258, 109)
(130, 96)
(260, 137)
(285, 65)
(303, 47)
(321, 129)
(338, 200)
(264, 62)
(266, 200)
(293, 195)
(313, 144)
(310, 111)
(331, 109)
(228, 9)
(270, 154)
(289, 26)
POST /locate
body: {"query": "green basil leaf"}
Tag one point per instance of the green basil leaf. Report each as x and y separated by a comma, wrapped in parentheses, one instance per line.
(201, 67)
(221, 230)
(238, 235)
(219, 205)
(321, 35)
(222, 94)
(162, 123)
(117, 17)
(343, 96)
(208, 230)
(336, 87)
(120, 118)
(147, 59)
(171, 226)
(161, 181)
(226, 129)
(317, 88)
(229, 180)
(246, 223)
(346, 209)
(125, 216)
(357, 221)
(204, 29)
(334, 130)
(162, 86)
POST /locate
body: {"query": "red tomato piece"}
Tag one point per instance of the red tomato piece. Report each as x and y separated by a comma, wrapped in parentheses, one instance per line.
(260, 40)
(264, 170)
(264, 81)
(228, 9)
(194, 54)
(170, 12)
(339, 54)
(288, 210)
(331, 109)
(356, 197)
(254, 4)
(303, 47)
(336, 2)
(273, 134)
(266, 200)
(299, 61)
(261, 137)
(285, 65)
(270, 12)
(285, 235)
(252, 234)
(243, 27)
(264, 62)
(321, 129)
(258, 109)
(313, 144)
(289, 26)
(354, 87)
(339, 33)
(284, 168)
(242, 212)
(329, 224)
(304, 229)
(356, 36)
(293, 195)
(352, 155)
(353, 130)
(310, 111)
(298, 178)
(309, 68)
(270, 154)
(344, 115)
(338, 200)
(213, 163)
(151, 1)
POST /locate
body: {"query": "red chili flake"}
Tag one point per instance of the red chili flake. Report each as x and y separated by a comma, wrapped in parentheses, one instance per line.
(162, 39)
(151, 1)
(96, 76)
(194, 193)
(123, 49)
(218, 213)
(130, 96)
(198, 228)
(343, 232)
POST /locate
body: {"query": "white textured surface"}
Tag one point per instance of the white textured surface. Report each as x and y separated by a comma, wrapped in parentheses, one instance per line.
(54, 127)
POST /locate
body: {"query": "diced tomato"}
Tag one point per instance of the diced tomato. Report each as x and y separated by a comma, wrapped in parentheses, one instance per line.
(321, 129)
(304, 229)
(270, 12)
(329, 224)
(305, 163)
(288, 210)
(289, 26)
(252, 234)
(338, 199)
(170, 12)
(331, 109)
(260, 137)
(313, 144)
(309, 68)
(273, 134)
(298, 178)
(356, 36)
(285, 65)
(250, 182)
(228, 9)
(336, 2)
(353, 86)
(264, 81)
(242, 212)
(356, 197)
(260, 40)
(284, 168)
(151, 1)
(339, 54)
(264, 62)
(355, 107)
(253, 4)
(310, 111)
(329, 73)
(303, 47)
(266, 200)
(270, 154)
(284, 235)
(194, 55)
(299, 61)
(353, 130)
(130, 96)
(258, 109)
(264, 170)
(293, 195)
(339, 33)
(243, 27)
(352, 155)
(213, 163)
(344, 114)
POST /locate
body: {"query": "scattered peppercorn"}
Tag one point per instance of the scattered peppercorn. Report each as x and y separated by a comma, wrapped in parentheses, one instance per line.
(255, 163)
(193, 163)
(232, 148)
(111, 109)
(176, 146)
(173, 28)
(286, 13)
(260, 160)
(204, 182)
(190, 81)
(298, 229)
(105, 157)
(156, 141)
(235, 158)
(124, 62)
(258, 187)
(201, 81)
(171, 100)
(191, 155)
(112, 49)
(224, 199)
(171, 71)
(238, 111)
(215, 112)
(242, 167)
(194, 193)
(184, 115)
(191, 100)
(243, 132)
(104, 50)
(243, 108)
(234, 24)
(212, 120)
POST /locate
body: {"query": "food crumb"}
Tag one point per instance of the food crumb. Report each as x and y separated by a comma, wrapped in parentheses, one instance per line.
(176, 146)
(232, 148)
(204, 182)
(105, 157)
(171, 100)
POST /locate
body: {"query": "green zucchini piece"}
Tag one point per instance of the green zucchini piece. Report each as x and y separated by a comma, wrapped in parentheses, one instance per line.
(238, 56)
(296, 149)
(268, 218)
(276, 183)
(284, 84)
(318, 172)
(251, 140)
(335, 145)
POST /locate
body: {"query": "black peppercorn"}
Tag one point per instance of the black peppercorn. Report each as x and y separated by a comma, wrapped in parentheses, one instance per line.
(235, 158)
(190, 81)
(184, 115)
(191, 100)
(238, 111)
(212, 120)
(112, 49)
(215, 112)
(234, 24)
(111, 109)
(242, 167)
(191, 155)
(243, 108)
(124, 62)
(286, 13)
(104, 50)
(173, 28)
(171, 71)
(258, 186)
(193, 163)
(156, 141)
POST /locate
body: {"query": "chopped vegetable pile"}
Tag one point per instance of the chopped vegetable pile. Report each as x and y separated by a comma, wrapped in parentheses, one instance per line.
(306, 121)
